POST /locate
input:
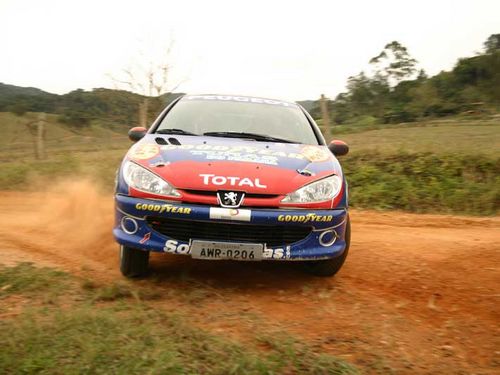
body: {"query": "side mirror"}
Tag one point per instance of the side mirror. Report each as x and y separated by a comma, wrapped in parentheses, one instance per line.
(137, 133)
(338, 148)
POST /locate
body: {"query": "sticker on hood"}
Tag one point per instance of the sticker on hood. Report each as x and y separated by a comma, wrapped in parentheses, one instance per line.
(236, 153)
(315, 153)
(211, 179)
(144, 151)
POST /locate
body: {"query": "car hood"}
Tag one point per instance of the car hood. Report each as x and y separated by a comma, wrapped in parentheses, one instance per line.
(216, 163)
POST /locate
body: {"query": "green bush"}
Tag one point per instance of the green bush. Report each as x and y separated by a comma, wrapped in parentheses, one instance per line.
(425, 182)
(363, 120)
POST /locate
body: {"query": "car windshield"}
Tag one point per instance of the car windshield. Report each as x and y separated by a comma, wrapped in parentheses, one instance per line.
(239, 116)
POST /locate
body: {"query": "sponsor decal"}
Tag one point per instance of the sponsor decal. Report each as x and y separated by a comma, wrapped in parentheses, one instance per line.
(277, 253)
(173, 246)
(160, 208)
(233, 214)
(305, 218)
(146, 238)
(236, 153)
(245, 158)
(315, 153)
(211, 179)
(144, 151)
(241, 99)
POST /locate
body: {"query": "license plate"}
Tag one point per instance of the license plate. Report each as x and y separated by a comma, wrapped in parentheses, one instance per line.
(226, 250)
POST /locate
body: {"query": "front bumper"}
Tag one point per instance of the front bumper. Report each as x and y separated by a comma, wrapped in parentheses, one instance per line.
(325, 240)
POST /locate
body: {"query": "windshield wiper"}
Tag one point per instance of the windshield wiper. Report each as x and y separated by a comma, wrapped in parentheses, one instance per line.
(174, 131)
(257, 137)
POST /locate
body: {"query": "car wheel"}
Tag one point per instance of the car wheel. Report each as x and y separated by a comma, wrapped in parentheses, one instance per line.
(330, 267)
(133, 262)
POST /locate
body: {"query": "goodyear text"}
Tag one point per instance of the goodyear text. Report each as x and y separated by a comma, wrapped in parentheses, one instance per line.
(305, 218)
(160, 208)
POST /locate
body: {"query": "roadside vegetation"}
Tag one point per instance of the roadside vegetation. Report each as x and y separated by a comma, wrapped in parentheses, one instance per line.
(425, 182)
(448, 166)
(434, 166)
(94, 151)
(76, 326)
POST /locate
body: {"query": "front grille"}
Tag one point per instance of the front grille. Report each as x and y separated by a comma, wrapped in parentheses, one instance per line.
(272, 235)
(214, 194)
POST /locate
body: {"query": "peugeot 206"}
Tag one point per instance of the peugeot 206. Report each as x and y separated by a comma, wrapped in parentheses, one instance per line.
(232, 177)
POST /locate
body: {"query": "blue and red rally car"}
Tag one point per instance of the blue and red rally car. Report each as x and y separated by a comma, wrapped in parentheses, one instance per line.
(232, 177)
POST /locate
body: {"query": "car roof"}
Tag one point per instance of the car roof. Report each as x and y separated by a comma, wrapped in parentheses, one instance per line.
(213, 96)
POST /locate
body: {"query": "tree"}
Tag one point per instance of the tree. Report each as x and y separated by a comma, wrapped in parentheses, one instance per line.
(425, 100)
(492, 44)
(340, 108)
(148, 77)
(396, 91)
(394, 63)
(79, 108)
(367, 95)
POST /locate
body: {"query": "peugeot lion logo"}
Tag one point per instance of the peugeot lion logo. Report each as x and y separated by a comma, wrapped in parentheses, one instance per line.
(230, 199)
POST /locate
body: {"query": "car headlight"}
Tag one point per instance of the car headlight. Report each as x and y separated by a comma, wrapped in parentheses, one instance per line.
(319, 191)
(141, 179)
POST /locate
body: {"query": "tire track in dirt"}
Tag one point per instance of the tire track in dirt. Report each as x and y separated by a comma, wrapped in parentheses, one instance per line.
(418, 293)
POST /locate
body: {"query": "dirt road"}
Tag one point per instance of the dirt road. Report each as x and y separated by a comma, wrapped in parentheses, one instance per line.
(418, 293)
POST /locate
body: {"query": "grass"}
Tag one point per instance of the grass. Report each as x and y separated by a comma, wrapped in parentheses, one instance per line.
(22, 173)
(18, 141)
(26, 279)
(467, 138)
(446, 166)
(116, 334)
(94, 150)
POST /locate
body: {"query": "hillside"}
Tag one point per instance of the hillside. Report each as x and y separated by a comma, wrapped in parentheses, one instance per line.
(7, 91)
(18, 137)
(80, 107)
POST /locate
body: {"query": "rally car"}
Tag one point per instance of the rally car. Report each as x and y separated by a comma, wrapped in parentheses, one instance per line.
(232, 177)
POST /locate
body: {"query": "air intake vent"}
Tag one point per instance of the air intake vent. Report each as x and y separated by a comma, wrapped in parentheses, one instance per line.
(161, 141)
(174, 141)
(272, 235)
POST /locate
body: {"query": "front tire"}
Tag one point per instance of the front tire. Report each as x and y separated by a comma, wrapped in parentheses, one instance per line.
(133, 262)
(330, 267)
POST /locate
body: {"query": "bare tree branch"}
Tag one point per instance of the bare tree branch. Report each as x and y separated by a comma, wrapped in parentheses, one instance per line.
(149, 77)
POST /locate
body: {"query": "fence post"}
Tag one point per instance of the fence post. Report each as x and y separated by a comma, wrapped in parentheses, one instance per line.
(40, 137)
(143, 113)
(323, 103)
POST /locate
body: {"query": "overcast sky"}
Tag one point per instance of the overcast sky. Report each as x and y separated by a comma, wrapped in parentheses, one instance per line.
(286, 49)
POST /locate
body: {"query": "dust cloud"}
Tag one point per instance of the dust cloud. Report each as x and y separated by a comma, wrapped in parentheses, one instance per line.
(71, 220)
